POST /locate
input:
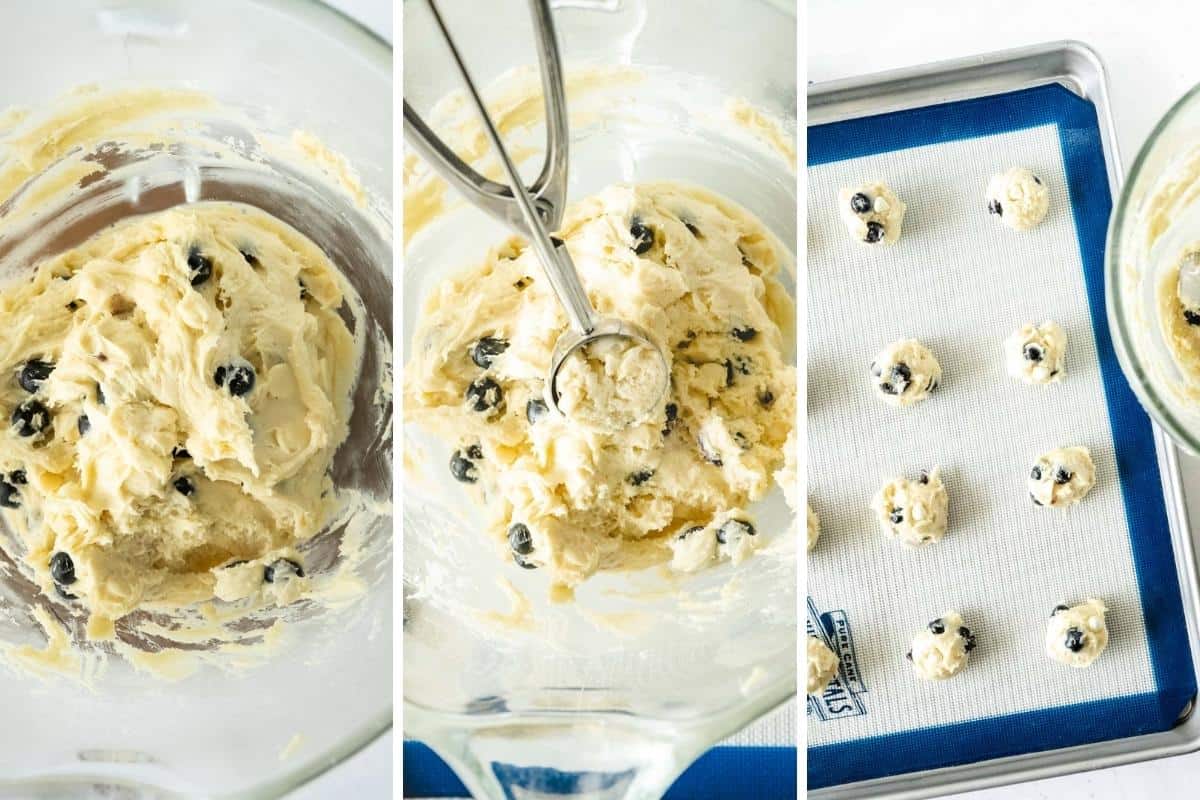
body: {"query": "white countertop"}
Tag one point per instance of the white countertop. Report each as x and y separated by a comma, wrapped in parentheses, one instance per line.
(1149, 48)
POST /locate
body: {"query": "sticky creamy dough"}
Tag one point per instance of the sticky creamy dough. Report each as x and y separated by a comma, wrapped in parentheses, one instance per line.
(822, 665)
(1077, 635)
(941, 650)
(699, 274)
(173, 391)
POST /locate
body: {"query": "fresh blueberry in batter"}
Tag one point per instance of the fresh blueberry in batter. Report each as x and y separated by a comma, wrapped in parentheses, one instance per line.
(744, 334)
(641, 476)
(732, 529)
(199, 266)
(62, 569)
(937, 627)
(1191, 317)
(520, 539)
(34, 373)
(765, 398)
(860, 203)
(10, 496)
(282, 569)
(966, 634)
(1058, 608)
(83, 424)
(642, 236)
(463, 468)
(30, 418)
(1033, 353)
(897, 516)
(994, 207)
(486, 349)
(240, 378)
(17, 477)
(874, 232)
(185, 486)
(1062, 476)
(1074, 640)
(536, 410)
(484, 394)
(1036, 472)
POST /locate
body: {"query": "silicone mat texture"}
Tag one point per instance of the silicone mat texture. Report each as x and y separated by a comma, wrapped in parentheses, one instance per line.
(961, 282)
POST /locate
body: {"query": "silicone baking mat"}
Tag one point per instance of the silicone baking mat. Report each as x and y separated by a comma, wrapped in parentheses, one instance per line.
(961, 282)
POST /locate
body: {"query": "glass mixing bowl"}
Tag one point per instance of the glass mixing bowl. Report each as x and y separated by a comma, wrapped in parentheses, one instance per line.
(260, 728)
(1137, 258)
(616, 693)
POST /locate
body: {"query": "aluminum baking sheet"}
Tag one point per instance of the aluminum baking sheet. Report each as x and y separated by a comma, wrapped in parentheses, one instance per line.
(937, 134)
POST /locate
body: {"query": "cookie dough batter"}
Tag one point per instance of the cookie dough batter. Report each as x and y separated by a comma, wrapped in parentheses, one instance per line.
(173, 390)
(905, 372)
(814, 528)
(940, 651)
(914, 513)
(1018, 198)
(702, 276)
(1077, 635)
(872, 213)
(822, 665)
(611, 383)
(1062, 477)
(1036, 354)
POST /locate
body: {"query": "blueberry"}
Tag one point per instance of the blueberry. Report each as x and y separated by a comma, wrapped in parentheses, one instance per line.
(860, 203)
(17, 477)
(10, 496)
(536, 410)
(901, 375)
(475, 451)
(520, 540)
(100, 398)
(688, 532)
(744, 334)
(937, 626)
(282, 569)
(1062, 476)
(1058, 608)
(923, 478)
(642, 236)
(486, 349)
(707, 452)
(1192, 317)
(1037, 180)
(966, 634)
(62, 569)
(640, 477)
(83, 424)
(896, 516)
(185, 486)
(874, 233)
(199, 266)
(484, 394)
(733, 529)
(692, 229)
(1074, 640)
(180, 453)
(30, 418)
(908, 655)
(1036, 472)
(1034, 353)
(251, 259)
(240, 378)
(765, 398)
(34, 373)
(994, 207)
(463, 468)
(728, 373)
(672, 412)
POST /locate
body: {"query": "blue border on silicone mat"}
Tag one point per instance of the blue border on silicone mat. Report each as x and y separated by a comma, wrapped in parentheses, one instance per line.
(1133, 439)
(768, 773)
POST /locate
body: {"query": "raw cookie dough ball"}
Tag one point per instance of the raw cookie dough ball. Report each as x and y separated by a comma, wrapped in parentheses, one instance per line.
(1077, 635)
(872, 213)
(814, 528)
(1018, 197)
(914, 513)
(611, 383)
(1036, 353)
(822, 665)
(1062, 477)
(940, 651)
(905, 372)
(731, 536)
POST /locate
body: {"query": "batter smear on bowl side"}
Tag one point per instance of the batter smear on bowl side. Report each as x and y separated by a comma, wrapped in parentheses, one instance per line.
(701, 276)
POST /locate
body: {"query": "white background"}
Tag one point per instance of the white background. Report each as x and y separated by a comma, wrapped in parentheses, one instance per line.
(1149, 47)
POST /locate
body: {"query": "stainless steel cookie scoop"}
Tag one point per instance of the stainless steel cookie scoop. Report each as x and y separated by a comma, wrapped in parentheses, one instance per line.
(534, 210)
